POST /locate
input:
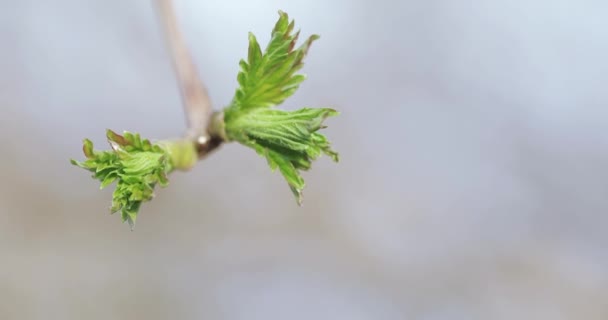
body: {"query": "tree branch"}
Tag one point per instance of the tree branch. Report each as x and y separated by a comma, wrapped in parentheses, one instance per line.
(195, 98)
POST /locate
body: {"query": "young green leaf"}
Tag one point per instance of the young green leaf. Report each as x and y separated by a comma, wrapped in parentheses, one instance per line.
(287, 139)
(267, 79)
(136, 164)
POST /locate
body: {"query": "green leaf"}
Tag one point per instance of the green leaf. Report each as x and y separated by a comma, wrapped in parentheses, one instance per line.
(135, 163)
(287, 139)
(267, 79)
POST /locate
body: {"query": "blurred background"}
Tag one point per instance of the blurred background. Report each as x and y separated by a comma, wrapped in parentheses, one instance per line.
(473, 181)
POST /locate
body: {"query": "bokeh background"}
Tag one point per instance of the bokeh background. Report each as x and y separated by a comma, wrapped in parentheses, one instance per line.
(473, 181)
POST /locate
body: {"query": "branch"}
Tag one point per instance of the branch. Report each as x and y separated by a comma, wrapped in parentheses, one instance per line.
(195, 98)
(289, 140)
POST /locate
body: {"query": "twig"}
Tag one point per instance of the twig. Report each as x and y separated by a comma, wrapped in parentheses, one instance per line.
(195, 98)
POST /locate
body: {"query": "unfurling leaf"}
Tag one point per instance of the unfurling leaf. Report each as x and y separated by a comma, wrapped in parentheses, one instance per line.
(267, 79)
(287, 139)
(136, 164)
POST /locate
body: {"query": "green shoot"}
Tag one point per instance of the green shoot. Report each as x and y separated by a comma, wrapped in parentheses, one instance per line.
(289, 140)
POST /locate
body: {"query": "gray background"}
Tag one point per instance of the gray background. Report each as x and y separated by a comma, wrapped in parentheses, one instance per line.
(472, 185)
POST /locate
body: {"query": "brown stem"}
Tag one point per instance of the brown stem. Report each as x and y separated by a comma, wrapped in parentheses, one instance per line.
(195, 98)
